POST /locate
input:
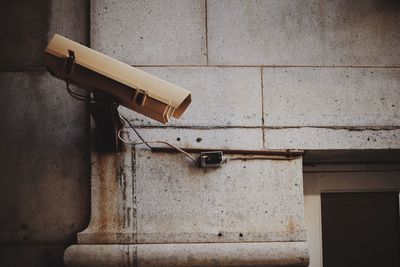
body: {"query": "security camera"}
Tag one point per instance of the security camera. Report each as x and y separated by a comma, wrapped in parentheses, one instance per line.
(130, 87)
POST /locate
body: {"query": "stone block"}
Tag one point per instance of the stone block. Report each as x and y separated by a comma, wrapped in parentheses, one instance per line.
(228, 138)
(245, 200)
(70, 19)
(189, 255)
(328, 138)
(304, 33)
(158, 197)
(331, 97)
(45, 160)
(24, 26)
(150, 32)
(220, 96)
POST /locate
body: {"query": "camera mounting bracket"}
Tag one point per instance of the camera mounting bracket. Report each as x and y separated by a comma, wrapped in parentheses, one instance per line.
(105, 114)
(104, 110)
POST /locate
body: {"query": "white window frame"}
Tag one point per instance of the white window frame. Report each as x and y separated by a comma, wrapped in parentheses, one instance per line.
(340, 178)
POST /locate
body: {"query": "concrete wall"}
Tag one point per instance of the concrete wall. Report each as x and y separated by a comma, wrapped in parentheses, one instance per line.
(44, 158)
(285, 74)
(304, 74)
(315, 75)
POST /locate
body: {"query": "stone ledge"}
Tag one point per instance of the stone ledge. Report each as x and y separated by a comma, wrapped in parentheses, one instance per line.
(179, 255)
(92, 237)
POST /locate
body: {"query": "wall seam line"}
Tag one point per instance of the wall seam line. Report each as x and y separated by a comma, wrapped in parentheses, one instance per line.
(262, 106)
(89, 22)
(263, 66)
(206, 22)
(213, 127)
(134, 195)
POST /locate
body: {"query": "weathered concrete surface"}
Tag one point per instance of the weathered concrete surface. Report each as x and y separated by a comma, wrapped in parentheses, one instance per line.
(253, 200)
(13, 255)
(228, 138)
(24, 26)
(150, 32)
(113, 212)
(70, 19)
(43, 134)
(151, 197)
(100, 255)
(331, 97)
(44, 163)
(318, 33)
(325, 138)
(193, 255)
(220, 96)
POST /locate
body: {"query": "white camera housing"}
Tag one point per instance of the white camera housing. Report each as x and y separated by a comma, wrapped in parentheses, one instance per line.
(131, 87)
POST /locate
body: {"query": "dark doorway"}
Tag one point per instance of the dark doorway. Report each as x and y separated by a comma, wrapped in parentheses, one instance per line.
(360, 229)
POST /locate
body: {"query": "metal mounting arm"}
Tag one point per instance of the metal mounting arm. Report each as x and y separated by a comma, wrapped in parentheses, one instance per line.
(108, 123)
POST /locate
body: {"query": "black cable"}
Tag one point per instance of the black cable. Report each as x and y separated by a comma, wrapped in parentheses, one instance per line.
(133, 128)
(85, 98)
(76, 95)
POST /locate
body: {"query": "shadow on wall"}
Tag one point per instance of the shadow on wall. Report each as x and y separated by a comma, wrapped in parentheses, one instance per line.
(24, 26)
(346, 18)
(44, 140)
(45, 162)
(357, 12)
